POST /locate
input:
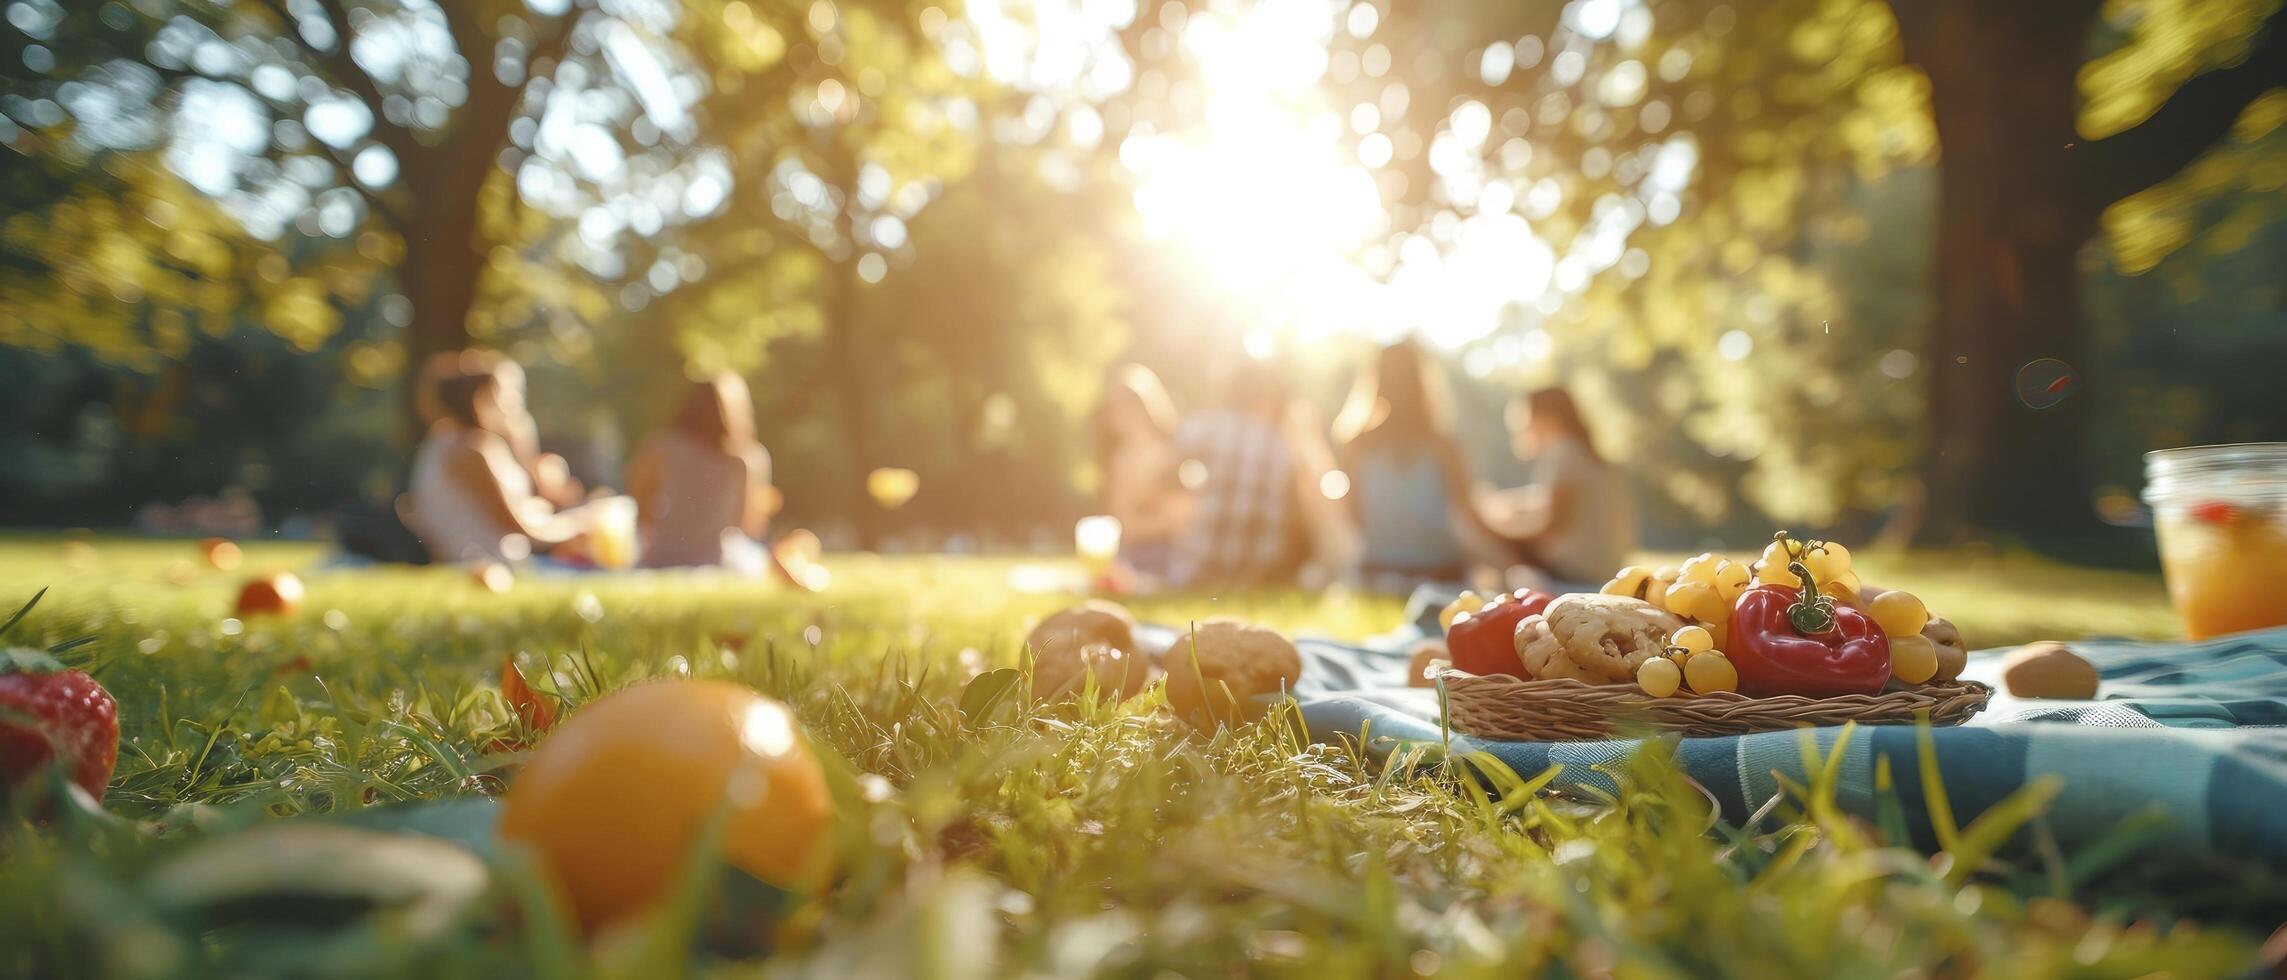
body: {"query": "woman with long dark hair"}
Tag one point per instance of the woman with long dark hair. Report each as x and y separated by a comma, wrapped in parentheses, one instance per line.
(704, 479)
(1577, 519)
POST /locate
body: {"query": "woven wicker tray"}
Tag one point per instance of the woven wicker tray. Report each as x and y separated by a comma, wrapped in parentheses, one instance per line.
(1566, 710)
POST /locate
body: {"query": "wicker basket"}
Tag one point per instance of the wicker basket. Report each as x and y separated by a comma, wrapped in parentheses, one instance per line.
(1566, 710)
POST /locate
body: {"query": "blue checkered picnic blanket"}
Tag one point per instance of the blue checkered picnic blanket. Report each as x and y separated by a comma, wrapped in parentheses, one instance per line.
(2185, 739)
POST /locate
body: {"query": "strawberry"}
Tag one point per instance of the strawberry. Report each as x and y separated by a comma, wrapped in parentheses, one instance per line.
(52, 714)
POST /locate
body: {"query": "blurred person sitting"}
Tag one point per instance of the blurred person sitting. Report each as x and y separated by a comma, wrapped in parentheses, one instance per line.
(1333, 545)
(552, 478)
(1576, 520)
(1240, 468)
(1136, 460)
(471, 499)
(703, 483)
(1410, 485)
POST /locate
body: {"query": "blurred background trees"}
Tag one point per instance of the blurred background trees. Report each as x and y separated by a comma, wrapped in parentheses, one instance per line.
(1802, 258)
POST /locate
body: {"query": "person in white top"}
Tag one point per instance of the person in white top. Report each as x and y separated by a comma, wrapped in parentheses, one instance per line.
(551, 477)
(472, 500)
(703, 483)
(1576, 521)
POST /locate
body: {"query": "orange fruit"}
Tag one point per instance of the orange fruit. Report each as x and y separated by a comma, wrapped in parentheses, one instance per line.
(616, 797)
(220, 554)
(280, 594)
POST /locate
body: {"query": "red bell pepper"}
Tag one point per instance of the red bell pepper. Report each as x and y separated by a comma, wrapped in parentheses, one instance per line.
(1483, 642)
(1786, 640)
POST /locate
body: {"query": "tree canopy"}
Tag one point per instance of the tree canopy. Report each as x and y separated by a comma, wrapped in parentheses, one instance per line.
(925, 228)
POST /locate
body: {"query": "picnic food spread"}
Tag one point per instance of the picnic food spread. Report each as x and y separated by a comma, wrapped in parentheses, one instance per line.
(618, 793)
(1795, 623)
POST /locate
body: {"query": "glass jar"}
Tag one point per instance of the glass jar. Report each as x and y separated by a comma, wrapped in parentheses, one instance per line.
(2221, 514)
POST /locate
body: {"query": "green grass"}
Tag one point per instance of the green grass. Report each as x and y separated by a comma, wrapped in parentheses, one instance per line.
(1060, 840)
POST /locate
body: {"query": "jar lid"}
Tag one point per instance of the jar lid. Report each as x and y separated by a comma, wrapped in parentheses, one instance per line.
(2252, 471)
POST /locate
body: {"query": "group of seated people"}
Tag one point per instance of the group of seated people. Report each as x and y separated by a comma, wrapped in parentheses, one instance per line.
(1246, 491)
(482, 491)
(1250, 490)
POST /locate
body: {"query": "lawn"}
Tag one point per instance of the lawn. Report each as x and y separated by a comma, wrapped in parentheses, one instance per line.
(1064, 839)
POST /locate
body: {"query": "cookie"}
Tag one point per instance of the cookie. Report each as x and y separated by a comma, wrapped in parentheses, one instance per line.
(1544, 658)
(2049, 670)
(1094, 639)
(1608, 636)
(1216, 672)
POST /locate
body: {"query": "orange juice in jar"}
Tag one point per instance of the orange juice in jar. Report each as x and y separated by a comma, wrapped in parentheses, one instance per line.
(2221, 514)
(612, 535)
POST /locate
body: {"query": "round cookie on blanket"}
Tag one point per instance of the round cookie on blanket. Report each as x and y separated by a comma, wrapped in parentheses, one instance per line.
(1217, 672)
(1094, 639)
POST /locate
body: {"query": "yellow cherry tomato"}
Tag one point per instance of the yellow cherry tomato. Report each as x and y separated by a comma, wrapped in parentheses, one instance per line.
(1699, 568)
(613, 801)
(1656, 588)
(1710, 672)
(1899, 613)
(1830, 560)
(1845, 590)
(1629, 582)
(1732, 578)
(1659, 677)
(1697, 600)
(1781, 551)
(1913, 658)
(1467, 602)
(1693, 639)
(1767, 573)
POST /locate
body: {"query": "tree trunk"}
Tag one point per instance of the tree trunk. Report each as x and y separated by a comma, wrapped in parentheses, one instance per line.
(439, 278)
(2002, 462)
(857, 384)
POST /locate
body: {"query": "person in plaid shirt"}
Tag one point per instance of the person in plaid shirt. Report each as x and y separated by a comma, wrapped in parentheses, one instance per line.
(1240, 469)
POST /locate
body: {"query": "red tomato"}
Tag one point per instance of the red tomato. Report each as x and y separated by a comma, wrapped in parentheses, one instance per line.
(1484, 642)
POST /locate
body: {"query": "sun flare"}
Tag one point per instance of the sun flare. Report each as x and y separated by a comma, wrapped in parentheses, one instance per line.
(1274, 196)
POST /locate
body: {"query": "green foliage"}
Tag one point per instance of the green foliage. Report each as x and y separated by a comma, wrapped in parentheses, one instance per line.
(1069, 839)
(1737, 196)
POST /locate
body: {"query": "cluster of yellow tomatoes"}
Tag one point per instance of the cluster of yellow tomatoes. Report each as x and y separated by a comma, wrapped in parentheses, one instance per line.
(1706, 587)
